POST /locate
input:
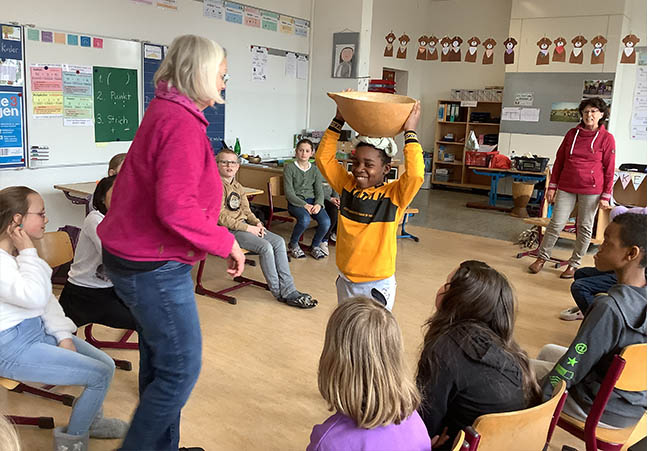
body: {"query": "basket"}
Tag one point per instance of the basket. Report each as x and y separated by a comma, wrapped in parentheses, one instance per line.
(479, 159)
(536, 164)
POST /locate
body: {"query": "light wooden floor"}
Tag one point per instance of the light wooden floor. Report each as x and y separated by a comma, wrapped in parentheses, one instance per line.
(258, 386)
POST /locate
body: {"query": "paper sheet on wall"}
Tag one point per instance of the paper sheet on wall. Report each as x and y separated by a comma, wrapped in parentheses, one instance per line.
(523, 99)
(213, 9)
(168, 4)
(638, 121)
(77, 96)
(511, 113)
(11, 128)
(11, 73)
(302, 67)
(252, 17)
(259, 63)
(301, 27)
(290, 65)
(269, 20)
(530, 114)
(47, 90)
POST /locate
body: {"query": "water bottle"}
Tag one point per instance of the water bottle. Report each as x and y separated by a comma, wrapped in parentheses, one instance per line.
(237, 147)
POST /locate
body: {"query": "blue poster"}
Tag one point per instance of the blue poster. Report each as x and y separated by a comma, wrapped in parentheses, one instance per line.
(11, 130)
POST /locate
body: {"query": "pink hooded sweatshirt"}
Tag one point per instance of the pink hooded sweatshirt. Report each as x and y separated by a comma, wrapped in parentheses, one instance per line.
(585, 162)
(167, 197)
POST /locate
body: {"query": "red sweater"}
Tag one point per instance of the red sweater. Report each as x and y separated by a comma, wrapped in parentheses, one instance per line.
(585, 162)
(167, 197)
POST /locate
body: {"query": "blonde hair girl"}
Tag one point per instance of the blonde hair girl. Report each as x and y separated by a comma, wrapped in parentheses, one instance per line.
(363, 377)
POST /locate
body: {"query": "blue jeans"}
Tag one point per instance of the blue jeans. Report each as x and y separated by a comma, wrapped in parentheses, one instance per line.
(588, 282)
(304, 219)
(29, 354)
(163, 304)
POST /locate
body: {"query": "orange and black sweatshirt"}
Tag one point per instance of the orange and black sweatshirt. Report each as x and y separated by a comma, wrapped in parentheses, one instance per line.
(369, 218)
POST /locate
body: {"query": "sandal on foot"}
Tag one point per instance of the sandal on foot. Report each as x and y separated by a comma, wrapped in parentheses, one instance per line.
(296, 252)
(301, 300)
(571, 314)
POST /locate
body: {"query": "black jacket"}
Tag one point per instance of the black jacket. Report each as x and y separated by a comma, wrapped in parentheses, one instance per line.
(468, 375)
(613, 321)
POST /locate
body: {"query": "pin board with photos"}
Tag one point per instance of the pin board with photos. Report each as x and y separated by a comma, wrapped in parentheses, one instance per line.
(12, 104)
(82, 96)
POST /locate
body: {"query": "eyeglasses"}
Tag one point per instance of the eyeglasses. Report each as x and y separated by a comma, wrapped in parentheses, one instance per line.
(592, 111)
(228, 163)
(225, 78)
(41, 213)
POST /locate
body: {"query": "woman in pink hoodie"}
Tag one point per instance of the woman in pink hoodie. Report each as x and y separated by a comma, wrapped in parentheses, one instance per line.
(583, 172)
(163, 218)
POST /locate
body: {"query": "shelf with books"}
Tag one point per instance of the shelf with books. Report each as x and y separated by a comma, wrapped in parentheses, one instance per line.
(453, 125)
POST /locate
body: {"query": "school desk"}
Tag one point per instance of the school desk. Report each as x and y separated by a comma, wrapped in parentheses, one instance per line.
(496, 175)
(81, 193)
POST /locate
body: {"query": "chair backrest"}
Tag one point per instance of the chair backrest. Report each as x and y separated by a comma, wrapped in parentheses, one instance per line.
(523, 430)
(276, 186)
(460, 443)
(55, 248)
(633, 376)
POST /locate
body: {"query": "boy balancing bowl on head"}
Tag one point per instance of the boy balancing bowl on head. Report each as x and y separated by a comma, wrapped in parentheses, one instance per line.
(370, 209)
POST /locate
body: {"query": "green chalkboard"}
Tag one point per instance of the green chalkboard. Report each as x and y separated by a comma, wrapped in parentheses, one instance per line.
(115, 103)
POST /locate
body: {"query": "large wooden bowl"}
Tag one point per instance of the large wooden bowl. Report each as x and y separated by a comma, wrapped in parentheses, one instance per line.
(374, 114)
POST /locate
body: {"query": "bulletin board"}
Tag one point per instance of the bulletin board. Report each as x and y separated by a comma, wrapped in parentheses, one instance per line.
(101, 120)
(12, 106)
(547, 88)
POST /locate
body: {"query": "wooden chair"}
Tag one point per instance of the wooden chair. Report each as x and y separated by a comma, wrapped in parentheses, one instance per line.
(460, 443)
(627, 372)
(56, 249)
(522, 430)
(222, 294)
(276, 189)
(41, 422)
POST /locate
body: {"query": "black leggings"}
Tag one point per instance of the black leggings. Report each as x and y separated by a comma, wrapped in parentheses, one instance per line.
(95, 305)
(332, 212)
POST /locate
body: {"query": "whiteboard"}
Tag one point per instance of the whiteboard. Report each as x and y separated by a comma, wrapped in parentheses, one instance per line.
(75, 145)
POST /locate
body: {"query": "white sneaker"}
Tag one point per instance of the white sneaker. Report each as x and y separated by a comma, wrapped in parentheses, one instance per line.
(324, 246)
(333, 236)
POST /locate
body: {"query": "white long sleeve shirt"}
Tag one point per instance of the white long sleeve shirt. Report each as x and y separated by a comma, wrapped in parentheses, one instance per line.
(87, 268)
(26, 292)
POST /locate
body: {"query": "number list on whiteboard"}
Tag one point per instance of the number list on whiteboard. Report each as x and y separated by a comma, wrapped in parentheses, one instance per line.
(115, 104)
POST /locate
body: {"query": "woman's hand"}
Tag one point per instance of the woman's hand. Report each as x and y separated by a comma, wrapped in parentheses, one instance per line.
(551, 195)
(316, 209)
(68, 344)
(235, 261)
(604, 204)
(412, 121)
(439, 440)
(19, 238)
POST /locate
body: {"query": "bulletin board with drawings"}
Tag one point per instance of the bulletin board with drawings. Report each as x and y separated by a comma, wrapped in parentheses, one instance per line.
(82, 97)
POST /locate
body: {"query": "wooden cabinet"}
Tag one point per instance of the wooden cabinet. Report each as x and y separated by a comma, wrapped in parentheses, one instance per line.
(451, 155)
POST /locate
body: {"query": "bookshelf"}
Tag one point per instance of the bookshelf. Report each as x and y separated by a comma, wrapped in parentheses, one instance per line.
(450, 155)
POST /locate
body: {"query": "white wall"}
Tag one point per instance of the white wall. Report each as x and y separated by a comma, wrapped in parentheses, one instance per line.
(531, 19)
(129, 20)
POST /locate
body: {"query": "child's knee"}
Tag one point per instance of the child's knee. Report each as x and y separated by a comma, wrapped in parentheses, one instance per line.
(265, 248)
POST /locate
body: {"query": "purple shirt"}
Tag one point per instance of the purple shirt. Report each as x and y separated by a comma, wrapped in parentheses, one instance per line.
(340, 432)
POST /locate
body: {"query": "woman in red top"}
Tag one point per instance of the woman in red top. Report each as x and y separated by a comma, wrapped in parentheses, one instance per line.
(163, 218)
(583, 172)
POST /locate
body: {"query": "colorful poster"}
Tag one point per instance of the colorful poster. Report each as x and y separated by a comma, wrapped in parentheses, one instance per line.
(286, 24)
(11, 131)
(47, 104)
(11, 73)
(86, 41)
(33, 34)
(564, 112)
(168, 4)
(269, 20)
(97, 43)
(59, 38)
(73, 39)
(153, 52)
(234, 12)
(301, 27)
(47, 36)
(252, 17)
(77, 80)
(46, 77)
(213, 9)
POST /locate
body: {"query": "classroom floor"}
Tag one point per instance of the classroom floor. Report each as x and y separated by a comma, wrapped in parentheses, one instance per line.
(258, 386)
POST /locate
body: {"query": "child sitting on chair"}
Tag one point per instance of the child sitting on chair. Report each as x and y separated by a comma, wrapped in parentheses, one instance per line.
(363, 377)
(305, 195)
(615, 320)
(88, 295)
(469, 340)
(370, 209)
(235, 214)
(36, 338)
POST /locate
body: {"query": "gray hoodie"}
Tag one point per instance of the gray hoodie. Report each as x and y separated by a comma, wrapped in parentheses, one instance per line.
(613, 321)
